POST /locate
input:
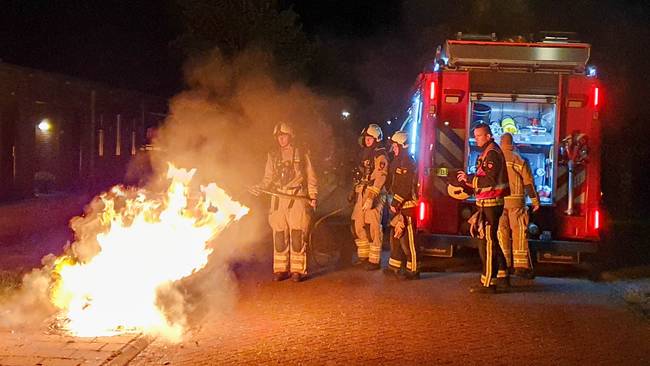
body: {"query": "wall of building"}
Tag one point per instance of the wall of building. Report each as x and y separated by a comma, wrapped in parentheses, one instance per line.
(95, 130)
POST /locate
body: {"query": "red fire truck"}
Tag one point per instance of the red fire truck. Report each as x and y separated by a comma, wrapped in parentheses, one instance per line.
(548, 98)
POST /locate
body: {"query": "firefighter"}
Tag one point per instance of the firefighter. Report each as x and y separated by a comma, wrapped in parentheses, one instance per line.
(290, 175)
(402, 178)
(369, 198)
(515, 212)
(490, 185)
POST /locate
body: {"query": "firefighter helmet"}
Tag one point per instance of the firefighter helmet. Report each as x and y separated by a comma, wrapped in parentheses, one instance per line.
(456, 189)
(508, 125)
(400, 137)
(282, 128)
(456, 192)
(373, 130)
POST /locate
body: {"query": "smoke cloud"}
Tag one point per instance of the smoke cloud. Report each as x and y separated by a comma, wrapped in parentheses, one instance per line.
(221, 125)
(29, 306)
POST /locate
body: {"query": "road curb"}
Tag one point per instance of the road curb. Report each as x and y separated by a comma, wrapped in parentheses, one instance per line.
(129, 351)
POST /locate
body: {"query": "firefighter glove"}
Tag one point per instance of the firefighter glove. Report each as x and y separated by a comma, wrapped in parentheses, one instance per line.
(398, 223)
(477, 225)
(461, 176)
(399, 229)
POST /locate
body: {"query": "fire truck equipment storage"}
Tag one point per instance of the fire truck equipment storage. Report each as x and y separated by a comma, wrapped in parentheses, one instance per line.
(547, 97)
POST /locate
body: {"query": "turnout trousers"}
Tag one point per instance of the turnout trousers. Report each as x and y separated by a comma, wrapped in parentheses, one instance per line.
(494, 262)
(366, 226)
(289, 219)
(403, 248)
(515, 220)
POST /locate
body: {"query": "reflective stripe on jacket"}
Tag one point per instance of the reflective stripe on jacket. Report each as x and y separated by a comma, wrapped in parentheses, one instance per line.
(490, 182)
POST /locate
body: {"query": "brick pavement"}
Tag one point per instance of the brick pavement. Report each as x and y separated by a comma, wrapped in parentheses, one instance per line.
(366, 318)
(29, 230)
(38, 346)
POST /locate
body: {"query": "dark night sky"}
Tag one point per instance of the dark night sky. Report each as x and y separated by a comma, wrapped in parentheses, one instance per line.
(381, 45)
(122, 43)
(127, 43)
(378, 46)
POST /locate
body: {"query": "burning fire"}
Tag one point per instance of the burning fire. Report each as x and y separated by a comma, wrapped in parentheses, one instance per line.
(146, 244)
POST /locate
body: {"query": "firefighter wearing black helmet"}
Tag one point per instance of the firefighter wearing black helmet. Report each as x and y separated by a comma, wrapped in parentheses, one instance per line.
(369, 198)
(290, 175)
(403, 260)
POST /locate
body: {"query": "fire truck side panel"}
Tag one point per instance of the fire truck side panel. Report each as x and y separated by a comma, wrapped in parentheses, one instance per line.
(425, 139)
(449, 136)
(579, 115)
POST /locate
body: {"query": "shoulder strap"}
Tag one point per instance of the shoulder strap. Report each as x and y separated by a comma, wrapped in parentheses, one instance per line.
(275, 155)
(489, 148)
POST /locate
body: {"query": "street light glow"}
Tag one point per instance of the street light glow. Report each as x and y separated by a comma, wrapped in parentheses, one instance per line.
(345, 114)
(45, 125)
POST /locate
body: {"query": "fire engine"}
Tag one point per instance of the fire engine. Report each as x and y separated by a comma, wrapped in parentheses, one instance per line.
(542, 92)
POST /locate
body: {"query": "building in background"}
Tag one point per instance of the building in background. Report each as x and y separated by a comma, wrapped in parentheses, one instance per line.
(59, 133)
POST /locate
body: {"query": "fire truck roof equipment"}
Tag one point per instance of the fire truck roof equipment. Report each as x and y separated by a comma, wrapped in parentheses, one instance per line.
(540, 56)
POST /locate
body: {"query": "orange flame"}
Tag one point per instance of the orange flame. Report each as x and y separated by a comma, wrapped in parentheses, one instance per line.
(149, 243)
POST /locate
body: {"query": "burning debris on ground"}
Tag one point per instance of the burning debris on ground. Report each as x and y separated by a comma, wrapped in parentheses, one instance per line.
(141, 243)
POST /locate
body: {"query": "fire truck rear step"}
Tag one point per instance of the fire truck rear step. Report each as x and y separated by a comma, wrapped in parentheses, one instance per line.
(547, 251)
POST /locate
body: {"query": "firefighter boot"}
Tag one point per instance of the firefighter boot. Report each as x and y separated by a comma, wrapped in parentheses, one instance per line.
(393, 272)
(360, 262)
(369, 266)
(525, 273)
(410, 275)
(480, 289)
(297, 277)
(503, 284)
(280, 276)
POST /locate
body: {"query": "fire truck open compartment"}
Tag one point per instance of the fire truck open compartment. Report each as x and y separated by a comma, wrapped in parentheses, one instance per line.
(532, 122)
(548, 98)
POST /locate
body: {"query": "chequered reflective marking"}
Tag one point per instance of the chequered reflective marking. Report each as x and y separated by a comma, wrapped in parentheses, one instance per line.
(579, 178)
(449, 153)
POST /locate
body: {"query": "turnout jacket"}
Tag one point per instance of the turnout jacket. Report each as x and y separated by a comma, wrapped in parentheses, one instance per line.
(373, 166)
(289, 170)
(402, 181)
(521, 179)
(490, 182)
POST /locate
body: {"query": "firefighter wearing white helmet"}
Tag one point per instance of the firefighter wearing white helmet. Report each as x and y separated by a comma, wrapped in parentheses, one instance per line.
(369, 198)
(403, 260)
(290, 179)
(375, 131)
(283, 128)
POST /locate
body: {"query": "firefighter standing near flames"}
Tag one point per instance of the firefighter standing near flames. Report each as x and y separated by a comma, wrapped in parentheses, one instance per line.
(515, 212)
(490, 185)
(402, 188)
(290, 179)
(369, 198)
